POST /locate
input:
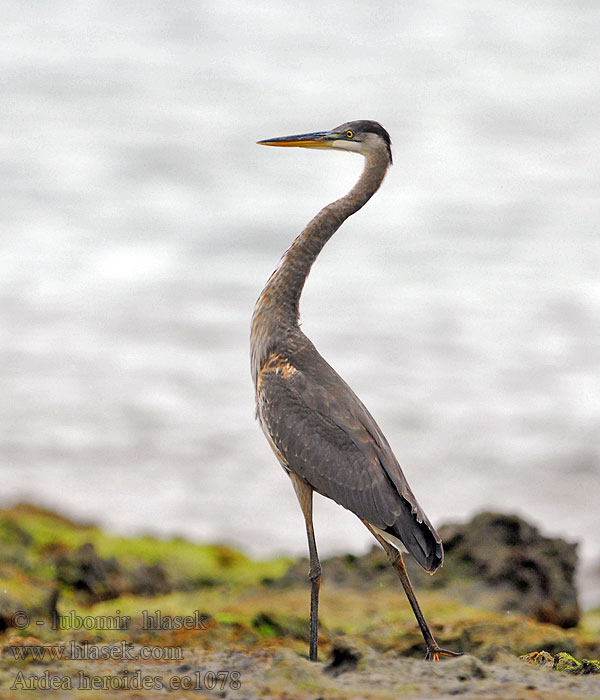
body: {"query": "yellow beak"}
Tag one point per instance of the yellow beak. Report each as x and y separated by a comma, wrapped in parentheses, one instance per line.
(317, 139)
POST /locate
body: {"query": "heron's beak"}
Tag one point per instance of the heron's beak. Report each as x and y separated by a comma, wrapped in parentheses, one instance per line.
(318, 139)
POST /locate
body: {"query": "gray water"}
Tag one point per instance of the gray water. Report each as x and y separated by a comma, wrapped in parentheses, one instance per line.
(140, 221)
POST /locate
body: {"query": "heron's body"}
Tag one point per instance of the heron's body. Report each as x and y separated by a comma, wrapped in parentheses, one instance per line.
(322, 434)
(321, 431)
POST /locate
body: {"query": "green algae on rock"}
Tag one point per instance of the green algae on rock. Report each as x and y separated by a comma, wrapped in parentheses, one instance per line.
(563, 661)
(46, 558)
(370, 646)
(567, 663)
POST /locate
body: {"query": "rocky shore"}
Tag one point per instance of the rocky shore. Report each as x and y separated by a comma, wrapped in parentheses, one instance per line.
(86, 613)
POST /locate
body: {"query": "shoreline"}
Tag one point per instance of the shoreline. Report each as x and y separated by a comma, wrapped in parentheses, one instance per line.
(225, 626)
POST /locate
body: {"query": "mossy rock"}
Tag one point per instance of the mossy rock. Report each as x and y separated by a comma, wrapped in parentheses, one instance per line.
(590, 666)
(274, 624)
(563, 662)
(569, 664)
(24, 599)
(37, 540)
(566, 663)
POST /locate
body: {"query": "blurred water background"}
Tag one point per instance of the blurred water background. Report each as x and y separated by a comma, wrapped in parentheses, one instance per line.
(140, 221)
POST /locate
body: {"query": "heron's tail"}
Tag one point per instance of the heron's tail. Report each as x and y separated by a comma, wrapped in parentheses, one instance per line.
(419, 537)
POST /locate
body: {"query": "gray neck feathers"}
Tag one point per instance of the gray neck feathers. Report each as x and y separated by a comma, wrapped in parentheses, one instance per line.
(277, 309)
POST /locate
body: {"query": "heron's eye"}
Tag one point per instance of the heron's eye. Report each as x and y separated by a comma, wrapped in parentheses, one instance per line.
(349, 134)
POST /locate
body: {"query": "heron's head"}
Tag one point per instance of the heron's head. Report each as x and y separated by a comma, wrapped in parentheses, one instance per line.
(362, 136)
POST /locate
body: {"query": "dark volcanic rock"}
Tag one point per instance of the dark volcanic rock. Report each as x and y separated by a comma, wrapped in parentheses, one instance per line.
(149, 581)
(496, 561)
(536, 574)
(93, 577)
(363, 573)
(345, 656)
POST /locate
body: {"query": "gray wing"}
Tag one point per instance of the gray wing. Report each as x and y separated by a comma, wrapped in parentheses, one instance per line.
(323, 433)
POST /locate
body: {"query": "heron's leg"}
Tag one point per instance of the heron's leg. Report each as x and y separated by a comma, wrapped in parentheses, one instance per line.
(434, 651)
(304, 491)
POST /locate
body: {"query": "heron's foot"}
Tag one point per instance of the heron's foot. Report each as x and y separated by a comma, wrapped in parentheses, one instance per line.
(434, 653)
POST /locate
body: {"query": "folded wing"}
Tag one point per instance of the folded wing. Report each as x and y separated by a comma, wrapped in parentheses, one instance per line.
(322, 432)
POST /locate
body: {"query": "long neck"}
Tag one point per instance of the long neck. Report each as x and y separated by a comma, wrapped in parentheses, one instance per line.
(276, 312)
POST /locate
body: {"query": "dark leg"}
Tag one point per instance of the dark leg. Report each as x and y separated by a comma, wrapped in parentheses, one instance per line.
(434, 651)
(304, 491)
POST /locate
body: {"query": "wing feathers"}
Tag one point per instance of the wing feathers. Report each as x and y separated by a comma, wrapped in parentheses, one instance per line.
(325, 435)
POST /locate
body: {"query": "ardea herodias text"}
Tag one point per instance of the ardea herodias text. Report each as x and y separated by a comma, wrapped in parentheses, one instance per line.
(322, 434)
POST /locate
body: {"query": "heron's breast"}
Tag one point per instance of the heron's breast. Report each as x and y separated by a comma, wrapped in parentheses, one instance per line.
(277, 367)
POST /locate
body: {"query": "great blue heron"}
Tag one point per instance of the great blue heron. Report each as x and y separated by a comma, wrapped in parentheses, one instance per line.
(324, 437)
